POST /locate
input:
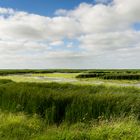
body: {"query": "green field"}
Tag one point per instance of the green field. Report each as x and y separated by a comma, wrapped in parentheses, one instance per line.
(58, 105)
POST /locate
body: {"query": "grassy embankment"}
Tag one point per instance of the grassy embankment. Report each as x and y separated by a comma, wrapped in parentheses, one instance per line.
(63, 111)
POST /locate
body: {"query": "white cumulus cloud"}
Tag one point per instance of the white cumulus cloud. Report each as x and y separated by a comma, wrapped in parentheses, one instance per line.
(104, 33)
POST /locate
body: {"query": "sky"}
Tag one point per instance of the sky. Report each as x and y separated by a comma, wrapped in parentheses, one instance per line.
(77, 34)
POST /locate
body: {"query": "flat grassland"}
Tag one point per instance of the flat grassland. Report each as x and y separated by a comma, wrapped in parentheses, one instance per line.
(69, 105)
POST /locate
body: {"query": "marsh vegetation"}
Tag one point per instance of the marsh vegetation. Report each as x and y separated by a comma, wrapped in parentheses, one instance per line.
(32, 110)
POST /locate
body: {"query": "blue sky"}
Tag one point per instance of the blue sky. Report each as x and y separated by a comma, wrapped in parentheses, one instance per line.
(69, 33)
(42, 7)
(136, 26)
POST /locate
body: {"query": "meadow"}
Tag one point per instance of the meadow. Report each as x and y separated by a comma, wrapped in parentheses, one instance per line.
(34, 109)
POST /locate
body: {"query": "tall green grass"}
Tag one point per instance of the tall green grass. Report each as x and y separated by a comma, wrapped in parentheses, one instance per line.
(57, 103)
(52, 111)
(19, 126)
(122, 77)
(112, 76)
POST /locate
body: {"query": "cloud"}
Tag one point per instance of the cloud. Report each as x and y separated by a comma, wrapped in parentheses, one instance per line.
(110, 41)
(6, 11)
(61, 12)
(101, 30)
(57, 43)
(103, 1)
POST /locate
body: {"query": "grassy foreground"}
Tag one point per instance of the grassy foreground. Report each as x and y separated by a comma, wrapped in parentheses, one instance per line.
(22, 127)
(52, 111)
